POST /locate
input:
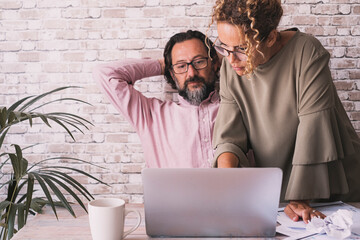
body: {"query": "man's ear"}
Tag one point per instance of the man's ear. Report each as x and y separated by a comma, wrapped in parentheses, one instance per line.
(271, 39)
(216, 63)
(172, 74)
(173, 78)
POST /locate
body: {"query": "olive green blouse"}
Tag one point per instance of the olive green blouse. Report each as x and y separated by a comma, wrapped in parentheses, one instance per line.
(289, 113)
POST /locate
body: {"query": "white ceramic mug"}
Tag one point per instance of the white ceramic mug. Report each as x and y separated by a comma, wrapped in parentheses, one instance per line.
(107, 217)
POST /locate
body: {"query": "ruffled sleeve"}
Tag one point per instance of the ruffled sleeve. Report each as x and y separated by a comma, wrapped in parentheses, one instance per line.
(322, 142)
(325, 136)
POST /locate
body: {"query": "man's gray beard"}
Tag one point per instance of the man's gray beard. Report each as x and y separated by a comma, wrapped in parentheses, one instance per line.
(199, 94)
(196, 96)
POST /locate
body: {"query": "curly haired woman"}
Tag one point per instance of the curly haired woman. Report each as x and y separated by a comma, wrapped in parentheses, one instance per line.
(278, 98)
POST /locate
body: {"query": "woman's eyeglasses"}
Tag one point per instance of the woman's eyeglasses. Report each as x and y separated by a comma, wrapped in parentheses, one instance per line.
(238, 52)
(183, 67)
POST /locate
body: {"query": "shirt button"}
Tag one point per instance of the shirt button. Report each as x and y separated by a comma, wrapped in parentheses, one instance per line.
(206, 140)
(204, 119)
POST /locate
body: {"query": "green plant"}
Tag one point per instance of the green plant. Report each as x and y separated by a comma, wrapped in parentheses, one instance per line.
(20, 201)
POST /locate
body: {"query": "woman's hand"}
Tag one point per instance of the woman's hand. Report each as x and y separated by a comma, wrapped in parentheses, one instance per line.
(301, 209)
(227, 160)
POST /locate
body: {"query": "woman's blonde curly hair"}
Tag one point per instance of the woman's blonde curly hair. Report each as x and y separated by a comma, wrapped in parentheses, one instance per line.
(257, 18)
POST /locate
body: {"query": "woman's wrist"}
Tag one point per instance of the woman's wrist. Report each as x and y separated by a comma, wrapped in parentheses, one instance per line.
(228, 160)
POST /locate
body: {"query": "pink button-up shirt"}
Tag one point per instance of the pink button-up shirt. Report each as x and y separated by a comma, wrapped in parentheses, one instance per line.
(172, 134)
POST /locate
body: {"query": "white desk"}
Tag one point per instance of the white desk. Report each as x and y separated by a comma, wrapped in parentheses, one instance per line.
(45, 226)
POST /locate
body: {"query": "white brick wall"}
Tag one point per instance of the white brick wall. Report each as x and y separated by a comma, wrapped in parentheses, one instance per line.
(46, 44)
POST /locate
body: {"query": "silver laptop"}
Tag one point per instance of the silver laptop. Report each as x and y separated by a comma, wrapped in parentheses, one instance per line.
(236, 202)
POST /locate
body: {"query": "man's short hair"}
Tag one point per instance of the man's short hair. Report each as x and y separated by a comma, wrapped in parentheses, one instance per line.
(181, 37)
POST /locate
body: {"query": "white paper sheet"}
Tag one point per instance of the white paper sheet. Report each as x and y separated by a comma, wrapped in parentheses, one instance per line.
(297, 230)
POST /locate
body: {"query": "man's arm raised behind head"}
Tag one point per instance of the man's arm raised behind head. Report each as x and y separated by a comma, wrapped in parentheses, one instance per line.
(116, 79)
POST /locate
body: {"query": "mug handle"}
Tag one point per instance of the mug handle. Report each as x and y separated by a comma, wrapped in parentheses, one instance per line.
(136, 225)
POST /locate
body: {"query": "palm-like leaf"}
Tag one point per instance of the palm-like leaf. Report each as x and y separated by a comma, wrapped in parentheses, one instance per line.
(29, 193)
(52, 181)
(16, 113)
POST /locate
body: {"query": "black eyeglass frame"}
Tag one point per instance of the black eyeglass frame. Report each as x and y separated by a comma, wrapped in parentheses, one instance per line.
(241, 55)
(192, 64)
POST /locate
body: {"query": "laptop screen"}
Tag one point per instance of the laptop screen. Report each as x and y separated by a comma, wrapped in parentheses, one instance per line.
(235, 202)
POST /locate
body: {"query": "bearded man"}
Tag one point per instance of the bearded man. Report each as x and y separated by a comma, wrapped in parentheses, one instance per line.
(173, 134)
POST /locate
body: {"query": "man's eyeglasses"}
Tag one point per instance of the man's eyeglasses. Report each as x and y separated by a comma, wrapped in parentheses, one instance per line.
(238, 52)
(198, 64)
